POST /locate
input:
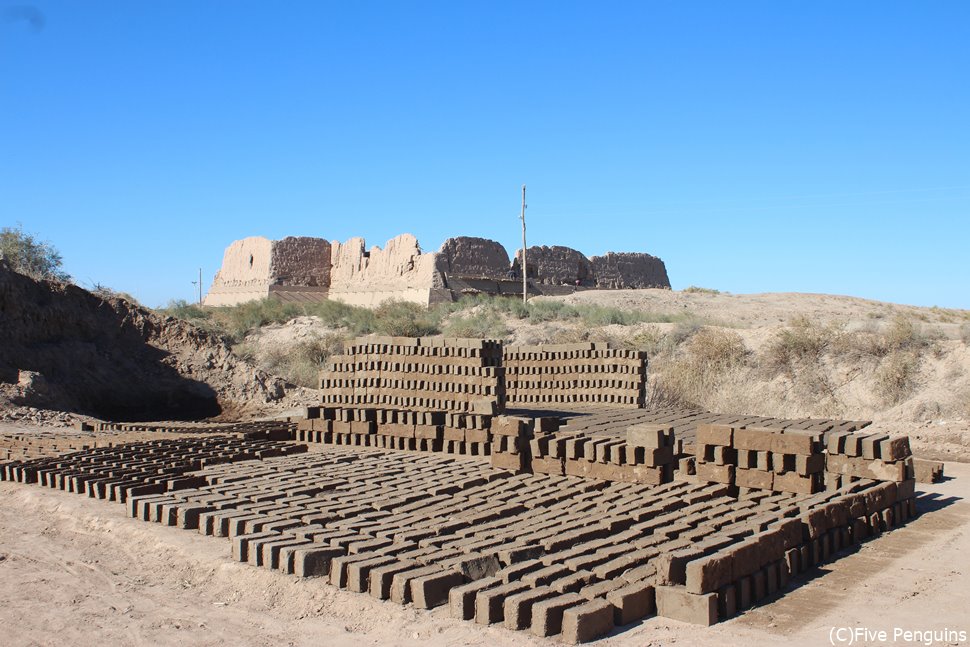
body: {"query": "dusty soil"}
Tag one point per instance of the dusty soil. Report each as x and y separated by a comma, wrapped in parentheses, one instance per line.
(75, 570)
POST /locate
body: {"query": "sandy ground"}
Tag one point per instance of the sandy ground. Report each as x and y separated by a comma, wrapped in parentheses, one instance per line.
(77, 571)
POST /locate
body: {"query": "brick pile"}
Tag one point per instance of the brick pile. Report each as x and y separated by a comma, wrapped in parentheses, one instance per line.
(803, 461)
(417, 374)
(118, 472)
(428, 431)
(642, 453)
(25, 445)
(586, 373)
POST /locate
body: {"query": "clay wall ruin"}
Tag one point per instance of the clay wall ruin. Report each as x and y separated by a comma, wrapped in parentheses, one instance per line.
(626, 270)
(311, 269)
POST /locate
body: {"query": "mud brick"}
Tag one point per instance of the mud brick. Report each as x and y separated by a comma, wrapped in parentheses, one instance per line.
(715, 435)
(430, 591)
(607, 472)
(650, 436)
(632, 602)
(382, 577)
(870, 445)
(188, 515)
(273, 556)
(809, 464)
(715, 473)
(905, 489)
(511, 426)
(759, 585)
(553, 466)
(428, 432)
(477, 435)
(756, 479)
(517, 608)
(313, 561)
(727, 601)
(875, 469)
(461, 599)
(573, 582)
(547, 614)
(765, 462)
(516, 571)
(852, 445)
(358, 572)
(745, 593)
(754, 438)
(453, 434)
(677, 603)
(894, 448)
(794, 441)
(490, 602)
(587, 621)
(240, 544)
(795, 483)
(709, 573)
(513, 462)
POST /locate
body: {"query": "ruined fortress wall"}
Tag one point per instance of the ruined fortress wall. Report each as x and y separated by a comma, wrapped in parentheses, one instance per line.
(300, 261)
(308, 269)
(245, 273)
(629, 270)
(467, 256)
(400, 271)
(556, 265)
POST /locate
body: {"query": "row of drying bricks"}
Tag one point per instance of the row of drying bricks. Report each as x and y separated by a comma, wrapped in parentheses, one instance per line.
(114, 473)
(564, 543)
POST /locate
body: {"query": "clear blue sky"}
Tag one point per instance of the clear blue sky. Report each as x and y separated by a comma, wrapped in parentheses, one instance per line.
(754, 146)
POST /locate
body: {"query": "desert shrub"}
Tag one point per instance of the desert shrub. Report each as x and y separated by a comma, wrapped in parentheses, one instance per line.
(652, 341)
(689, 376)
(693, 289)
(965, 334)
(895, 378)
(714, 349)
(802, 341)
(182, 309)
(301, 362)
(335, 314)
(482, 324)
(27, 255)
(404, 319)
(242, 319)
(901, 334)
(543, 311)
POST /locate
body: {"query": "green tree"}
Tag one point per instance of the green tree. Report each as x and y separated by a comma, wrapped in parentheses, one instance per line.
(27, 255)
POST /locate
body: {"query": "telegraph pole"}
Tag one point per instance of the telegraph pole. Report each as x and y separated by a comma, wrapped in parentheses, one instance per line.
(200, 286)
(525, 288)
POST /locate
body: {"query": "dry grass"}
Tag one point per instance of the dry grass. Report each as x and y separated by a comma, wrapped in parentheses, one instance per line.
(690, 374)
(481, 324)
(896, 377)
(802, 342)
(301, 362)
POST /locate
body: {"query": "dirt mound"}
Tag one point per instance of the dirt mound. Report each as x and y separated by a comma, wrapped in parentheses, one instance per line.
(64, 348)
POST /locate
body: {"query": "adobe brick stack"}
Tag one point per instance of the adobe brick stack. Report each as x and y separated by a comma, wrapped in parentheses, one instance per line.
(429, 431)
(570, 374)
(803, 461)
(876, 456)
(417, 374)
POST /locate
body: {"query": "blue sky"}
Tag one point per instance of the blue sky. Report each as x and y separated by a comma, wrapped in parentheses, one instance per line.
(754, 146)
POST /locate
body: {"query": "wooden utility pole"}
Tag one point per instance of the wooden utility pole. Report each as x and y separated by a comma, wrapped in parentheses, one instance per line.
(525, 272)
(200, 286)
